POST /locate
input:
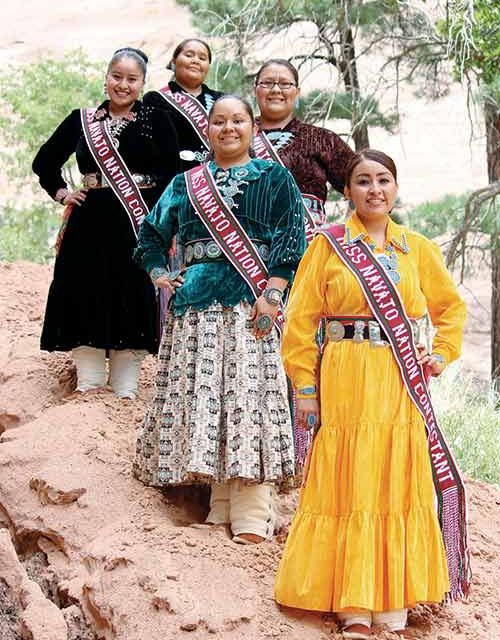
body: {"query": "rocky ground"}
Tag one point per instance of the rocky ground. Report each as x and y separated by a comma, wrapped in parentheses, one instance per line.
(88, 552)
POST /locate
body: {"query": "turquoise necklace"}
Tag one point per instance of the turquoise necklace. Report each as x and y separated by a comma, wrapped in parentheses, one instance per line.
(389, 260)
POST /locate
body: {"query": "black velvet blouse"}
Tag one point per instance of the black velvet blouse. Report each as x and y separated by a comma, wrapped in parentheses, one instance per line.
(99, 297)
(148, 145)
(187, 137)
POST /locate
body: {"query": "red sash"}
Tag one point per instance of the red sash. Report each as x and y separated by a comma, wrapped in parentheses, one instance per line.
(265, 151)
(387, 307)
(113, 168)
(227, 231)
(191, 109)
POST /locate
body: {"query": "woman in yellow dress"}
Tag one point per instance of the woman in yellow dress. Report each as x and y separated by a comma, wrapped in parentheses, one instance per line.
(365, 542)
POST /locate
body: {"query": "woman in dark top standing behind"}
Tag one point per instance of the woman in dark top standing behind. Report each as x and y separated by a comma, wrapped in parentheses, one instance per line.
(315, 156)
(100, 302)
(190, 63)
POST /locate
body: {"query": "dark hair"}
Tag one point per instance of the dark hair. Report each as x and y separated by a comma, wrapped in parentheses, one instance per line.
(282, 62)
(233, 96)
(248, 109)
(130, 52)
(370, 154)
(179, 48)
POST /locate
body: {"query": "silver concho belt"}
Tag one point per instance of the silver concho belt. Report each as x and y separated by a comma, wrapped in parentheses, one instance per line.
(206, 250)
(98, 181)
(363, 328)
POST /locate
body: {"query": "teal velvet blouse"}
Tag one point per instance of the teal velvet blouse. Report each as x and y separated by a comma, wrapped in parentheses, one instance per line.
(269, 208)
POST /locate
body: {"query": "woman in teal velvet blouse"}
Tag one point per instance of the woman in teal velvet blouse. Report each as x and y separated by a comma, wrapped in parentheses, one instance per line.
(220, 413)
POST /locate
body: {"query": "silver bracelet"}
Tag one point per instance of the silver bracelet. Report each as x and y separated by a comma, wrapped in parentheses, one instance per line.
(272, 296)
(61, 193)
(307, 391)
(158, 272)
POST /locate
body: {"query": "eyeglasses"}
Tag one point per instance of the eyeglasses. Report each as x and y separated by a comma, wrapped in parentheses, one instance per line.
(269, 84)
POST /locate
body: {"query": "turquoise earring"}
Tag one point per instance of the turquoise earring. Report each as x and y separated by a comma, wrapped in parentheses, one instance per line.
(297, 103)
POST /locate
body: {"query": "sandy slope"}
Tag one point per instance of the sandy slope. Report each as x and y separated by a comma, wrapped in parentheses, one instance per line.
(116, 557)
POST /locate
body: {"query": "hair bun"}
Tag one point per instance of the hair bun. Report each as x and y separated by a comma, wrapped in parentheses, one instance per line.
(138, 52)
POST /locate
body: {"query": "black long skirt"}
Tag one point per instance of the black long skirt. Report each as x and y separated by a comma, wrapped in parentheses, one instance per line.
(99, 297)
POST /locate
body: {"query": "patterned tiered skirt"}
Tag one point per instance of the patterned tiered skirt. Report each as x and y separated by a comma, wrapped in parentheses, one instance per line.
(220, 409)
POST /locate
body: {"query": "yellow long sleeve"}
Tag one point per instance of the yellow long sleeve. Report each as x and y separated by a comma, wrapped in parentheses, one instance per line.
(446, 308)
(324, 286)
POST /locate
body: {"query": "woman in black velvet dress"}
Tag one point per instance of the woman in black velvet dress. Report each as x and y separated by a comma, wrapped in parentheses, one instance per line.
(190, 63)
(100, 302)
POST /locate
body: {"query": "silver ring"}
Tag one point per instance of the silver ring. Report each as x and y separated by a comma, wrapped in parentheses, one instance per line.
(264, 323)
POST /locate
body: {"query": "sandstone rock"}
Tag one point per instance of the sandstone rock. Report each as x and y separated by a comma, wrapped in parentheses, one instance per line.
(39, 617)
(9, 614)
(163, 600)
(78, 628)
(110, 568)
(53, 491)
(189, 625)
(96, 608)
(8, 421)
(28, 533)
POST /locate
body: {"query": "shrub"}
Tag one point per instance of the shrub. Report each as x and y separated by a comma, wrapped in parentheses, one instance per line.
(469, 415)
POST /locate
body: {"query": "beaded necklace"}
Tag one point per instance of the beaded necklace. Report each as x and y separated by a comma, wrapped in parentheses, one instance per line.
(389, 260)
(116, 125)
(229, 182)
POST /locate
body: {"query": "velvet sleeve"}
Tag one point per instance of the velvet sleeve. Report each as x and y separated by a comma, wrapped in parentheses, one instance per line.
(166, 147)
(154, 99)
(54, 153)
(336, 156)
(159, 227)
(287, 219)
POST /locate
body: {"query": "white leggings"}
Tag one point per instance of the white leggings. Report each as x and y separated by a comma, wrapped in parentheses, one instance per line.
(249, 508)
(395, 620)
(124, 369)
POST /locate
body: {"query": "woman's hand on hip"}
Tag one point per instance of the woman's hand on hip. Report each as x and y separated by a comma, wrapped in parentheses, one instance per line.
(263, 316)
(165, 282)
(308, 414)
(433, 365)
(75, 197)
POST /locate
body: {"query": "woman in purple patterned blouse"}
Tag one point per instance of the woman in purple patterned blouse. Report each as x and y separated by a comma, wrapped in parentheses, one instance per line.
(314, 155)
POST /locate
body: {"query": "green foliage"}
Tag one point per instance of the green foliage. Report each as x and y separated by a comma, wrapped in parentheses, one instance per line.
(25, 233)
(245, 27)
(230, 77)
(470, 417)
(435, 218)
(446, 215)
(473, 29)
(320, 105)
(315, 106)
(217, 17)
(35, 98)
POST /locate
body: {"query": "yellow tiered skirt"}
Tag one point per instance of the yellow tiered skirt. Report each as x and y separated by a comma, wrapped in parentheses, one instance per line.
(366, 534)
